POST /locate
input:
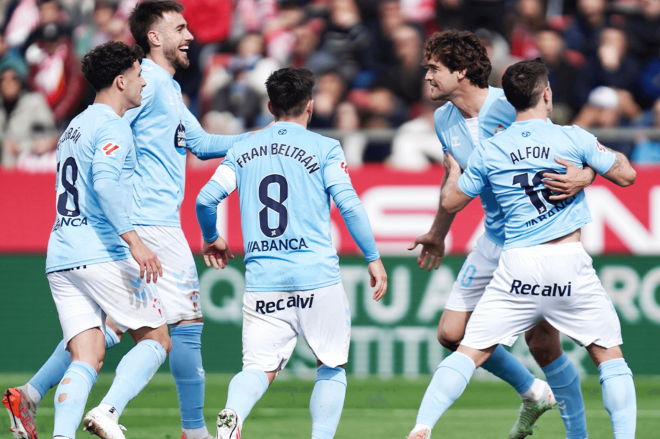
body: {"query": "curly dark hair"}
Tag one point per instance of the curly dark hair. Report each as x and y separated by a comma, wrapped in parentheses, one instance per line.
(460, 50)
(104, 63)
(524, 82)
(145, 14)
(289, 90)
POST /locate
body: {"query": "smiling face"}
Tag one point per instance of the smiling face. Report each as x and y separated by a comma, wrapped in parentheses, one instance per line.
(443, 82)
(176, 37)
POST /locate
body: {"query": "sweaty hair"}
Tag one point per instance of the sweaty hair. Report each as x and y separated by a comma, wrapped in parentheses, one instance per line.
(145, 14)
(104, 63)
(460, 50)
(524, 82)
(289, 90)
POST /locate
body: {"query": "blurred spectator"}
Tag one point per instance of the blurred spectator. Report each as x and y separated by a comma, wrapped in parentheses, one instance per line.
(583, 34)
(241, 89)
(101, 30)
(613, 67)
(55, 71)
(278, 32)
(450, 14)
(208, 20)
(27, 126)
(23, 20)
(251, 16)
(489, 14)
(306, 52)
(348, 40)
(645, 150)
(644, 30)
(390, 19)
(498, 53)
(404, 78)
(416, 146)
(561, 77)
(11, 57)
(330, 90)
(530, 17)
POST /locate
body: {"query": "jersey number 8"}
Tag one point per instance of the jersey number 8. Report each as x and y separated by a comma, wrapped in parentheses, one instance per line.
(69, 188)
(276, 206)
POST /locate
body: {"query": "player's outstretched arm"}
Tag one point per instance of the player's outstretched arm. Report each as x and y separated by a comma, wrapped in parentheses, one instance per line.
(452, 198)
(571, 182)
(378, 278)
(204, 145)
(621, 172)
(146, 259)
(433, 241)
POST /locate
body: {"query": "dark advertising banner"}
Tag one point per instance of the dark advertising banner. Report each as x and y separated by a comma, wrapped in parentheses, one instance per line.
(394, 336)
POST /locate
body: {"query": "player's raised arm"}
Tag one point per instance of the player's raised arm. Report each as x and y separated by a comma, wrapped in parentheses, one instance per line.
(215, 249)
(571, 182)
(609, 163)
(452, 197)
(204, 145)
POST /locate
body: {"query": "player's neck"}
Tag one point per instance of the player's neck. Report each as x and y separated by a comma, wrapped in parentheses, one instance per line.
(470, 100)
(538, 112)
(159, 58)
(300, 120)
(107, 97)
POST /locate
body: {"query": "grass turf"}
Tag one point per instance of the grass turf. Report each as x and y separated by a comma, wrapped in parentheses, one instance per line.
(374, 408)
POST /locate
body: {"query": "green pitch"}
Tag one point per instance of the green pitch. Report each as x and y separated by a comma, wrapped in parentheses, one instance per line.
(374, 408)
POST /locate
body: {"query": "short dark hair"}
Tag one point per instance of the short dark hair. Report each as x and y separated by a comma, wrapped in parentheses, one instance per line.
(104, 63)
(524, 82)
(289, 90)
(460, 50)
(145, 14)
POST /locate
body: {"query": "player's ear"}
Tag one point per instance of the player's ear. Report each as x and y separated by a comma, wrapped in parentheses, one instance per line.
(270, 108)
(120, 80)
(310, 107)
(462, 73)
(154, 38)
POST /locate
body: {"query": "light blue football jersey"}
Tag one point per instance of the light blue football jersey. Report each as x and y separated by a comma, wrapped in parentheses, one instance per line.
(97, 141)
(282, 176)
(495, 115)
(164, 128)
(512, 163)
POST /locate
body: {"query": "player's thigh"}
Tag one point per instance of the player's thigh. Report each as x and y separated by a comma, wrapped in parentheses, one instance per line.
(474, 276)
(77, 310)
(178, 288)
(574, 300)
(325, 322)
(544, 343)
(500, 316)
(269, 330)
(130, 302)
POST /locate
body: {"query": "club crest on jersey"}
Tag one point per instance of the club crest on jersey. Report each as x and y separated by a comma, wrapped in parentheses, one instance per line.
(110, 149)
(499, 129)
(600, 147)
(344, 167)
(454, 141)
(180, 139)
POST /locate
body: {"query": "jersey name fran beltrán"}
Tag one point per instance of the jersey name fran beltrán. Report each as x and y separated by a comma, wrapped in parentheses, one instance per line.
(309, 162)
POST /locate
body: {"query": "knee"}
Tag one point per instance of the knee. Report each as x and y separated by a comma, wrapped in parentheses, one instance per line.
(544, 349)
(449, 339)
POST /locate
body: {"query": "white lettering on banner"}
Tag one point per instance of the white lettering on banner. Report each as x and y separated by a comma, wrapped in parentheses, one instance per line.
(607, 209)
(436, 294)
(647, 298)
(230, 311)
(621, 284)
(390, 228)
(400, 295)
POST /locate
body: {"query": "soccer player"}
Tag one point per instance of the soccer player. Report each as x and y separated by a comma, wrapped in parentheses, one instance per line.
(544, 272)
(285, 176)
(96, 262)
(458, 71)
(163, 129)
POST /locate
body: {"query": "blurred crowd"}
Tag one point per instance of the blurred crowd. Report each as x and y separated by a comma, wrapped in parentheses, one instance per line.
(603, 55)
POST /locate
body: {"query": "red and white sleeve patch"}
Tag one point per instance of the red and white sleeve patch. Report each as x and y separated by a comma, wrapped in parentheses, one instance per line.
(110, 149)
(600, 147)
(344, 167)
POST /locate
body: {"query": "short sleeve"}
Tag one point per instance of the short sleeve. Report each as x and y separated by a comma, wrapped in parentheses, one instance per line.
(334, 167)
(474, 178)
(113, 143)
(593, 153)
(436, 122)
(225, 175)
